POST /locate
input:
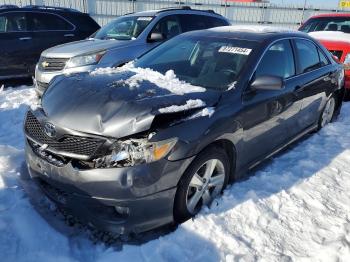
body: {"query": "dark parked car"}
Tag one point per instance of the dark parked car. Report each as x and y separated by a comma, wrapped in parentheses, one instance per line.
(26, 32)
(133, 148)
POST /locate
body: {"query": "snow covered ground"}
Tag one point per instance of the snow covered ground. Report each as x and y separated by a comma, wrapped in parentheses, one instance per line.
(294, 208)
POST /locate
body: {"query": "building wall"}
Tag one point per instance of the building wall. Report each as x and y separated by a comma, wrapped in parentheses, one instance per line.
(248, 13)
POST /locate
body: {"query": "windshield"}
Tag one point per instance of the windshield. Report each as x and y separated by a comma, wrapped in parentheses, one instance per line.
(124, 28)
(212, 63)
(327, 24)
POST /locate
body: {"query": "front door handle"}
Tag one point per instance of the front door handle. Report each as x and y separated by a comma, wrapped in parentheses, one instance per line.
(299, 89)
(276, 108)
(25, 38)
(68, 35)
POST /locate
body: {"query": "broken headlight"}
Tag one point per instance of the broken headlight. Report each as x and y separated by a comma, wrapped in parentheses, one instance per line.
(135, 151)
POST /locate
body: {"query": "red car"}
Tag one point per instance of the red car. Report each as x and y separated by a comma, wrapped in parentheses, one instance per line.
(333, 31)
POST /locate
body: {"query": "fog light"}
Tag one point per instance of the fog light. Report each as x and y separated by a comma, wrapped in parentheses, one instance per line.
(122, 210)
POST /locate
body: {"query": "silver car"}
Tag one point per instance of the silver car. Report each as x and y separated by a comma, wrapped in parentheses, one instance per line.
(121, 41)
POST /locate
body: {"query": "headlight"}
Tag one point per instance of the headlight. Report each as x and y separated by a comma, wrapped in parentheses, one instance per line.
(136, 151)
(347, 62)
(83, 60)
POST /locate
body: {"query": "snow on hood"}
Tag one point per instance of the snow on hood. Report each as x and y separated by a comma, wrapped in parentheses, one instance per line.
(190, 104)
(119, 102)
(331, 36)
(167, 81)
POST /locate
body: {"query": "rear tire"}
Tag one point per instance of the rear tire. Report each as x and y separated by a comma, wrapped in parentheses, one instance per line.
(204, 179)
(327, 114)
(347, 95)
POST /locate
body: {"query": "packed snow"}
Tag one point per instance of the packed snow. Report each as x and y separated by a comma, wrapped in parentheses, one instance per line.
(190, 104)
(168, 81)
(294, 208)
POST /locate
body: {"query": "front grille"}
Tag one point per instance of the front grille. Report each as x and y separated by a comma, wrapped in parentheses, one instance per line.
(52, 64)
(337, 53)
(66, 145)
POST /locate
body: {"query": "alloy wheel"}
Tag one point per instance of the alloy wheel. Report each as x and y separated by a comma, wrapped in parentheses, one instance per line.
(205, 185)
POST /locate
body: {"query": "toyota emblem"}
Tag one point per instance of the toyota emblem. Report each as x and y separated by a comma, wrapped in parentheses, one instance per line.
(50, 129)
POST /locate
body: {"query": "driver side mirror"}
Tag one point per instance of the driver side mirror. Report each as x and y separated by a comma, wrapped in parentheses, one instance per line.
(155, 37)
(267, 83)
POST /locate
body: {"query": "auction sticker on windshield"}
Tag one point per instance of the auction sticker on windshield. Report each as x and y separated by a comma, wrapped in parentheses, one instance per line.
(235, 50)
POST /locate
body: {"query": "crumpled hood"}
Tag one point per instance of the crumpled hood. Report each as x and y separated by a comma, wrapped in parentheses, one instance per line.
(83, 47)
(106, 105)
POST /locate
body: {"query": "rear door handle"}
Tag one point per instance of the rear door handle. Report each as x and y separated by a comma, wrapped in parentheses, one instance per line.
(25, 38)
(69, 35)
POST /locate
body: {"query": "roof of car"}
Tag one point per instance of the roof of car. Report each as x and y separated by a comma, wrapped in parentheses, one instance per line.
(252, 33)
(332, 15)
(180, 9)
(38, 8)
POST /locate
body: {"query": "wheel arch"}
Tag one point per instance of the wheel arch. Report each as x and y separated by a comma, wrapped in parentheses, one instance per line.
(339, 97)
(230, 149)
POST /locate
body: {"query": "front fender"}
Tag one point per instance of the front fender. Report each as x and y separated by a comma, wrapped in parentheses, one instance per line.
(196, 134)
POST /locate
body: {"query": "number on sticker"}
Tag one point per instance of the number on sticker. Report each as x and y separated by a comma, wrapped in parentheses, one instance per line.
(235, 50)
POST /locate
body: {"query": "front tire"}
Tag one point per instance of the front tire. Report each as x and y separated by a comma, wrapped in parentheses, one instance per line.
(205, 179)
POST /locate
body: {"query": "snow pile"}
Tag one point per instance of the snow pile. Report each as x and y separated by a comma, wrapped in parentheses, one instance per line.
(294, 208)
(169, 81)
(190, 104)
(13, 105)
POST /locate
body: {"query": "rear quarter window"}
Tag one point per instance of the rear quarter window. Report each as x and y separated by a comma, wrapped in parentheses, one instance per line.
(192, 22)
(84, 23)
(215, 22)
(323, 59)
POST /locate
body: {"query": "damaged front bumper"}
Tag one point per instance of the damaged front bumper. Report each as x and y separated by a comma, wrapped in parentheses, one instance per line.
(119, 200)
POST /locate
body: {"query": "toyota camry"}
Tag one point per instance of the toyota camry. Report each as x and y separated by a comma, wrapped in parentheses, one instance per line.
(133, 148)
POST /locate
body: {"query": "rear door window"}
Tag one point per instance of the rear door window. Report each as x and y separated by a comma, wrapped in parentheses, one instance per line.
(277, 61)
(13, 22)
(308, 55)
(48, 22)
(168, 26)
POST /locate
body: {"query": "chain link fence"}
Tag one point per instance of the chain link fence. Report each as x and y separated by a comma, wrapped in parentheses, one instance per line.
(290, 16)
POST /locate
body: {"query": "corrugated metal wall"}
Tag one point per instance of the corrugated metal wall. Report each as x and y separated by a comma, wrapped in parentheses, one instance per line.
(250, 13)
